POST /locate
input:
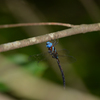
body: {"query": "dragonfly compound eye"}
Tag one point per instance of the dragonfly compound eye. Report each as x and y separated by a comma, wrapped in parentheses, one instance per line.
(48, 44)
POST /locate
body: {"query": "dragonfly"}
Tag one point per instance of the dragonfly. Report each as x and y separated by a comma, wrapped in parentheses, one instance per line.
(52, 51)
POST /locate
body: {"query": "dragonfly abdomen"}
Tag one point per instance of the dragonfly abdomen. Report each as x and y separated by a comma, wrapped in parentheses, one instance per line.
(53, 52)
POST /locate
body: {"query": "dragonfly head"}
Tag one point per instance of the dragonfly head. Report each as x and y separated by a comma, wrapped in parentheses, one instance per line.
(48, 44)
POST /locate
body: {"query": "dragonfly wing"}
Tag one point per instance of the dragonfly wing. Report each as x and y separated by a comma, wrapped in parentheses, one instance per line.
(54, 42)
(64, 54)
(39, 57)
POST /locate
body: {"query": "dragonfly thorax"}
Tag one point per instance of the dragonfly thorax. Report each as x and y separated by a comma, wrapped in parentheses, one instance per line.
(54, 55)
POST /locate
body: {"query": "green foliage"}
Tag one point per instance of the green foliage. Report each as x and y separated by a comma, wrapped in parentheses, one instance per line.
(33, 67)
(36, 68)
(18, 58)
(3, 88)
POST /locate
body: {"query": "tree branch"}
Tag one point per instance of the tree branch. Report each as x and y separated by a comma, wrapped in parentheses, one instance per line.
(43, 38)
(37, 24)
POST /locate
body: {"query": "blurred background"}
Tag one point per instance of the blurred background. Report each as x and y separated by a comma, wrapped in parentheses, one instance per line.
(21, 79)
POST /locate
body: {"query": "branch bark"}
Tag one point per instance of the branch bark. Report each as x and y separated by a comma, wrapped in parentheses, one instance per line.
(55, 35)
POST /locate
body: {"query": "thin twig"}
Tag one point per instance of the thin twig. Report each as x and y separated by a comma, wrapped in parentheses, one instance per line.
(50, 36)
(36, 24)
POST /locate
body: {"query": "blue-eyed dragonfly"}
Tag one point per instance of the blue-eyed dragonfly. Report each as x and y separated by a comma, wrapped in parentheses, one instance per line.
(52, 51)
